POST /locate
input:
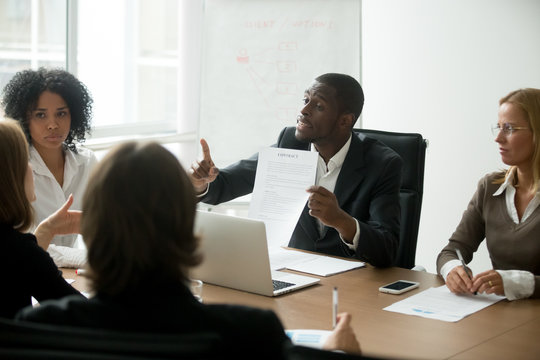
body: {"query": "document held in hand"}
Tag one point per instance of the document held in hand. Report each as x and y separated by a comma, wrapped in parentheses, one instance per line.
(279, 194)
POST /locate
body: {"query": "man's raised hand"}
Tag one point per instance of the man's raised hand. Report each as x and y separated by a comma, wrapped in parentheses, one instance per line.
(204, 171)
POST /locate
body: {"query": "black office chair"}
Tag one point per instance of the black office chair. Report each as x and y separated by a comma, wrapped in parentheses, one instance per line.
(23, 340)
(412, 149)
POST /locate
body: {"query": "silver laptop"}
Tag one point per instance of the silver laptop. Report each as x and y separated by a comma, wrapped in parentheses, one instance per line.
(236, 256)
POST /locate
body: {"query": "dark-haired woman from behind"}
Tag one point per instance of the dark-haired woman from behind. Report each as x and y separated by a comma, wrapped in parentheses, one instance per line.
(139, 211)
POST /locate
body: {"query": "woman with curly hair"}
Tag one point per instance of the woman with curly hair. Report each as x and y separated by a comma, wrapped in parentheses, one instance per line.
(54, 109)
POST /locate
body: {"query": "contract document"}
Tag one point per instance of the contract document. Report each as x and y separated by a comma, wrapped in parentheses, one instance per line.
(279, 194)
(441, 304)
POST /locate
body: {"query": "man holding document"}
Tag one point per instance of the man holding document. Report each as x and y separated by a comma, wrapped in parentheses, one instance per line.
(353, 208)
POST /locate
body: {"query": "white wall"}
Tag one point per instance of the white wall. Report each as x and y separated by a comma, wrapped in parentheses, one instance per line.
(438, 67)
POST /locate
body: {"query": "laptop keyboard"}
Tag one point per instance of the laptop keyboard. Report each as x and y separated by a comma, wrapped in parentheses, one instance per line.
(278, 285)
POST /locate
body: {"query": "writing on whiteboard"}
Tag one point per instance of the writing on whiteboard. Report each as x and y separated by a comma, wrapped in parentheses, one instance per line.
(258, 58)
(262, 24)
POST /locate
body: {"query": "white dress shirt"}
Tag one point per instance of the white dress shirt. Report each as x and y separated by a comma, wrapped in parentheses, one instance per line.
(518, 284)
(50, 196)
(327, 175)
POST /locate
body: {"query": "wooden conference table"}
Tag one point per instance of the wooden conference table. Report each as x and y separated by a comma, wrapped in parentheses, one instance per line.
(505, 330)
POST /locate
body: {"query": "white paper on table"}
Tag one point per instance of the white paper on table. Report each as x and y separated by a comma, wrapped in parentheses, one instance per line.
(279, 194)
(320, 265)
(441, 304)
(308, 337)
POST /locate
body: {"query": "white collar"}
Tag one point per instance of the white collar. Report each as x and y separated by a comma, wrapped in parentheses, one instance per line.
(72, 161)
(508, 183)
(338, 159)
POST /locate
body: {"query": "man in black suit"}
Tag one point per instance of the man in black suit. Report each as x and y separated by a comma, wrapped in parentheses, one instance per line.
(353, 210)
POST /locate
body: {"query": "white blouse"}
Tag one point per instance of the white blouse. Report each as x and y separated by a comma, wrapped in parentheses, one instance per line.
(50, 196)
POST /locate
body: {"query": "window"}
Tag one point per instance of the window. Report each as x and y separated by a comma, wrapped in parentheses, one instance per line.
(126, 52)
(32, 34)
(128, 56)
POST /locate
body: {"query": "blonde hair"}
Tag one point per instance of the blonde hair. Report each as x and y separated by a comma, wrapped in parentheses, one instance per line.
(15, 208)
(529, 101)
(139, 211)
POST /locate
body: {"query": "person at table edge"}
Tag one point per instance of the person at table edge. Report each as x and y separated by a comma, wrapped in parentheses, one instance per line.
(504, 211)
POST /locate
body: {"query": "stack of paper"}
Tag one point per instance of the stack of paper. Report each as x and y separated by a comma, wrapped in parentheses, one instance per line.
(320, 265)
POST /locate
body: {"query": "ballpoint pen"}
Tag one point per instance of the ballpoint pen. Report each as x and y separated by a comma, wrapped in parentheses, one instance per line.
(334, 307)
(467, 271)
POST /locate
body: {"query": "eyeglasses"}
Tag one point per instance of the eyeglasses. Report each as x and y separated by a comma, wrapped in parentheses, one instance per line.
(506, 129)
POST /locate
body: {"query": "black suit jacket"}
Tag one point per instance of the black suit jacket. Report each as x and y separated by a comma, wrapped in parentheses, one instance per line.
(367, 189)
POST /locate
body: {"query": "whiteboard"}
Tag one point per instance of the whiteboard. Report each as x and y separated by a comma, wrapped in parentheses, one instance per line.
(258, 58)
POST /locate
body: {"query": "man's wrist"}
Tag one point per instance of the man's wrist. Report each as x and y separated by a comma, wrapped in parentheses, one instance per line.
(347, 228)
(201, 191)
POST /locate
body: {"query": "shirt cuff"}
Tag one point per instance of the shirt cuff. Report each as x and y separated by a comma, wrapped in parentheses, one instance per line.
(446, 268)
(518, 284)
(356, 237)
(68, 257)
(205, 192)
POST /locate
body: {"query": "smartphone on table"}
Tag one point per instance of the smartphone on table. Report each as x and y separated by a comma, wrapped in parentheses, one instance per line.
(399, 287)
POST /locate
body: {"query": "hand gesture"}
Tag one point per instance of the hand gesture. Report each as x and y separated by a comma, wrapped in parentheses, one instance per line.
(489, 282)
(203, 172)
(324, 206)
(458, 281)
(343, 337)
(63, 221)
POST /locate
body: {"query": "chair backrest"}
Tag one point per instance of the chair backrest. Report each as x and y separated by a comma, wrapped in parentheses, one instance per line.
(23, 340)
(412, 149)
